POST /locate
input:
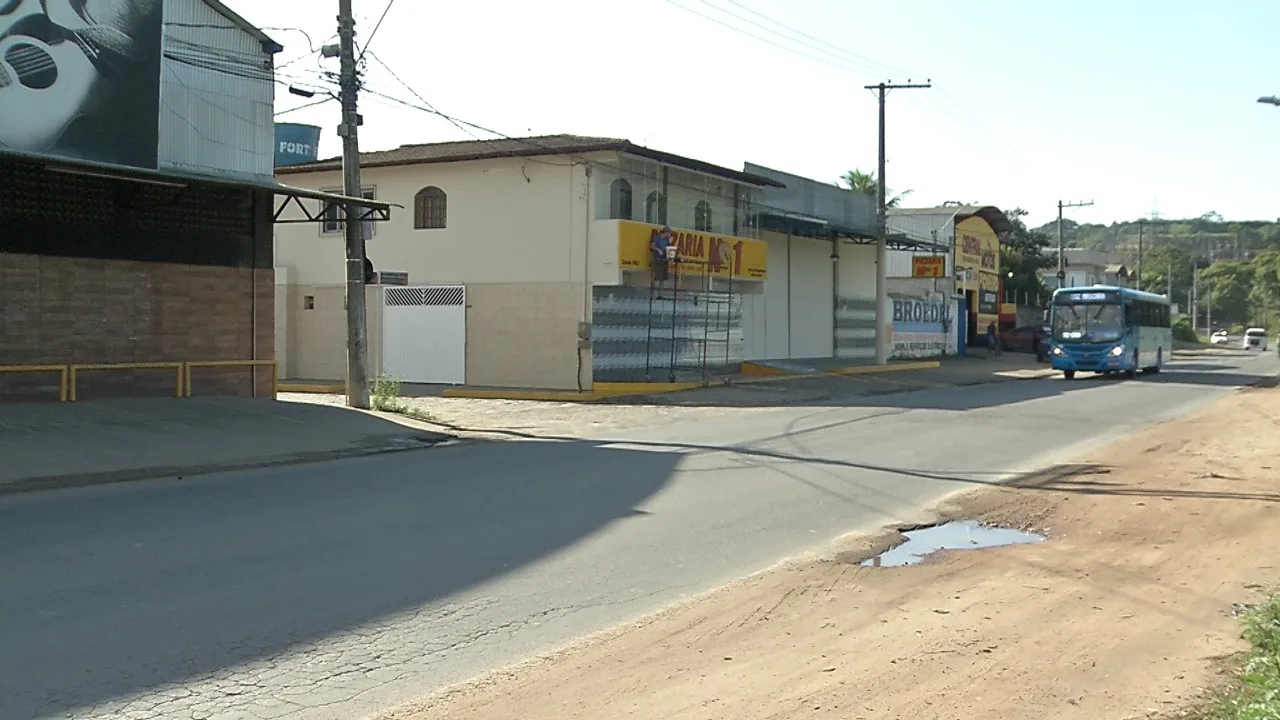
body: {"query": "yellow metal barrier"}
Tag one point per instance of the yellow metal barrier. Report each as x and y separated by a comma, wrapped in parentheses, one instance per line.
(179, 368)
(63, 371)
(275, 370)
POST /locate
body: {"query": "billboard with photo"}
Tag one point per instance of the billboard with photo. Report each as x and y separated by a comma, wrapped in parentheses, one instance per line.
(80, 79)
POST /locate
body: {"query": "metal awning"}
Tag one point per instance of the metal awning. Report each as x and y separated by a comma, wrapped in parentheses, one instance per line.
(376, 210)
(816, 227)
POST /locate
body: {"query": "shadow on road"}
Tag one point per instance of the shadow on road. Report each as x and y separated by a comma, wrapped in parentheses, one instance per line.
(115, 590)
(919, 391)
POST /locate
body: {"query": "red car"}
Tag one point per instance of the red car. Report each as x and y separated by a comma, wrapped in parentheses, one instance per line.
(1027, 338)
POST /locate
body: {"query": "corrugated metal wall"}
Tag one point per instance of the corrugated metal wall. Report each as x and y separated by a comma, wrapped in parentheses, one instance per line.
(216, 95)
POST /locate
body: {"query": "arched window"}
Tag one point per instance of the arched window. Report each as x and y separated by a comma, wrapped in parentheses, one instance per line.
(655, 209)
(620, 200)
(430, 209)
(702, 216)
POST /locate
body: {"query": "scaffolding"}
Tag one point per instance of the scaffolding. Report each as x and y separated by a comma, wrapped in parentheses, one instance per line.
(690, 324)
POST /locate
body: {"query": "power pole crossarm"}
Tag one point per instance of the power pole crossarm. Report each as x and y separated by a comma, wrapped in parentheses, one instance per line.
(883, 337)
(357, 370)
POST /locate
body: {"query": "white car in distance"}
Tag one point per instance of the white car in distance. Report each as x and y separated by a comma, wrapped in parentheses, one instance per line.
(1255, 339)
(1218, 338)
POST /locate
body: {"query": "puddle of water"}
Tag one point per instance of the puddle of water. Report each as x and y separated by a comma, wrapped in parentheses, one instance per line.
(959, 535)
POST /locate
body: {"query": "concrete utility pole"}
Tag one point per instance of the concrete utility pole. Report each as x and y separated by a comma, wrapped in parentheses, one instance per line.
(1195, 301)
(1062, 255)
(882, 228)
(1140, 228)
(357, 368)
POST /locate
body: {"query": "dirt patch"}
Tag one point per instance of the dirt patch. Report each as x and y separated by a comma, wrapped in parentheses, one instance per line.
(1126, 611)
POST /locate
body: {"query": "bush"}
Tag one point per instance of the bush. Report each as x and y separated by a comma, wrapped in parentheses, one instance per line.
(1182, 332)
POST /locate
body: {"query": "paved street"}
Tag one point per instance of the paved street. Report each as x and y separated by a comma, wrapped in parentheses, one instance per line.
(340, 589)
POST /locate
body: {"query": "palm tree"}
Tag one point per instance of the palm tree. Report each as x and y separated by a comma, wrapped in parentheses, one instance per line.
(867, 184)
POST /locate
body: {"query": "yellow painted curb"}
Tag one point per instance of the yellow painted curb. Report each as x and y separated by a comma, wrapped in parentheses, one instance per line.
(895, 367)
(514, 394)
(305, 388)
(601, 391)
(751, 369)
(642, 388)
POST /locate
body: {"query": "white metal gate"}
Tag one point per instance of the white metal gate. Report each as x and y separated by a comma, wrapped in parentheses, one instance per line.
(424, 334)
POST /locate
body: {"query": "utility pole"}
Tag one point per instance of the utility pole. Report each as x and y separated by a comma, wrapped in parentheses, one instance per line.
(357, 369)
(1195, 301)
(1062, 255)
(882, 227)
(1140, 229)
(1208, 314)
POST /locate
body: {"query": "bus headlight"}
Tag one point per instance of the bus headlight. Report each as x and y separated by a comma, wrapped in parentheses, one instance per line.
(1058, 351)
(1117, 351)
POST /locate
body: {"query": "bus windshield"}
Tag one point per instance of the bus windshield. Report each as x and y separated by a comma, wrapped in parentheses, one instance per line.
(1088, 322)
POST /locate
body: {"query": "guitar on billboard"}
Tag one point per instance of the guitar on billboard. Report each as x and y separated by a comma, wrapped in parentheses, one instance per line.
(55, 56)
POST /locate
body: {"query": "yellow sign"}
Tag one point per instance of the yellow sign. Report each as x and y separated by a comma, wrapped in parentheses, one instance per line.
(977, 246)
(699, 252)
(926, 266)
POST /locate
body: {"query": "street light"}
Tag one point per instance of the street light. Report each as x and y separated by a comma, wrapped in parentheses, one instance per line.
(1269, 100)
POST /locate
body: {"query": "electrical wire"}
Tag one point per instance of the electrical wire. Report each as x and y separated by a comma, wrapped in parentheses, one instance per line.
(376, 26)
(304, 106)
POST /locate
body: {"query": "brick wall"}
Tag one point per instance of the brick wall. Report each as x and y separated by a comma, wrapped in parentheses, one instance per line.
(56, 310)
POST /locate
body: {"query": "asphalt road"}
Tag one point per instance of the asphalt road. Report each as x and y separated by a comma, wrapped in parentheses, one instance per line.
(336, 590)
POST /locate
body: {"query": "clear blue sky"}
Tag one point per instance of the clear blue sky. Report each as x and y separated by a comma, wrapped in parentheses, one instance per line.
(1138, 105)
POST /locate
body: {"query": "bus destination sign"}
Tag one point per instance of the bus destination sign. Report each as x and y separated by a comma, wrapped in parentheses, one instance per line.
(1084, 297)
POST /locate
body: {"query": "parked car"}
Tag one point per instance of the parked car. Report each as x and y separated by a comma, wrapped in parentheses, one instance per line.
(1218, 338)
(1027, 338)
(1255, 339)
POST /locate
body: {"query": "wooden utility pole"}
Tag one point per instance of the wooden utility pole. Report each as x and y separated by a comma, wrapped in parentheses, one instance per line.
(357, 357)
(882, 226)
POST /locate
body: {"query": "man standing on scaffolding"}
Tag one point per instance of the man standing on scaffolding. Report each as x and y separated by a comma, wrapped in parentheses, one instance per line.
(661, 253)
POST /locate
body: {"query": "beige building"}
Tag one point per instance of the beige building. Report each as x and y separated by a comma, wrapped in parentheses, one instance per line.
(525, 263)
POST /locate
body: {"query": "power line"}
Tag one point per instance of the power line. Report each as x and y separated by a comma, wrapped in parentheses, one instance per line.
(767, 41)
(867, 62)
(303, 106)
(377, 25)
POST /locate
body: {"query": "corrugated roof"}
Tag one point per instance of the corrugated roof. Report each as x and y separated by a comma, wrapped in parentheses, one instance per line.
(542, 145)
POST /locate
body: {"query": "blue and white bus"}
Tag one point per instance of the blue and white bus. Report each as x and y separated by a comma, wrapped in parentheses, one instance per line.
(1106, 329)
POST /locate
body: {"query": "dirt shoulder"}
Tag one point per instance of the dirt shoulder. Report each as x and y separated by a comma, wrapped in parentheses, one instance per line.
(1125, 611)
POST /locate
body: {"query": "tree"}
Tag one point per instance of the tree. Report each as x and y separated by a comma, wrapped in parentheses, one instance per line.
(1227, 284)
(867, 184)
(1022, 257)
(1265, 295)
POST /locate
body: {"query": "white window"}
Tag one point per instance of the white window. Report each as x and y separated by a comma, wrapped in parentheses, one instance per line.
(332, 224)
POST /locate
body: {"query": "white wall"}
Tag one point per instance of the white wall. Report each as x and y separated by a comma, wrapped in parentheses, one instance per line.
(812, 299)
(214, 121)
(766, 321)
(857, 271)
(509, 221)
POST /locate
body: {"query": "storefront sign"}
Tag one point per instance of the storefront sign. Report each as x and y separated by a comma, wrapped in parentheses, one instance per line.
(920, 328)
(988, 302)
(926, 266)
(977, 246)
(699, 253)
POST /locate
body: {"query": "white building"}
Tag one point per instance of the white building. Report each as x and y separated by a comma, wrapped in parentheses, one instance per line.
(531, 267)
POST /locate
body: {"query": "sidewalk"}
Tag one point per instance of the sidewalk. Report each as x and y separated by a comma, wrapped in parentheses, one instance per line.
(47, 446)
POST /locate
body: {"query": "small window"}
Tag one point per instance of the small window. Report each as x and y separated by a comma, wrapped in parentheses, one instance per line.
(702, 216)
(309, 302)
(655, 209)
(430, 209)
(333, 214)
(620, 200)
